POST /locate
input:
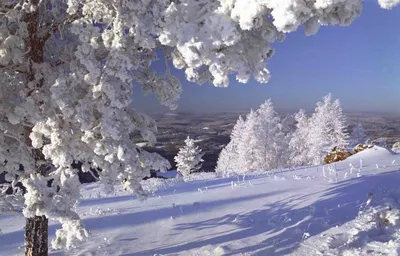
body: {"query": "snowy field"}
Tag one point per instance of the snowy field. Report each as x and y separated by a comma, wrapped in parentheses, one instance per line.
(307, 211)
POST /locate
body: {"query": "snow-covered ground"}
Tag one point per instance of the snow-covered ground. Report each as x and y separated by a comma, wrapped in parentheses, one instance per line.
(169, 175)
(307, 211)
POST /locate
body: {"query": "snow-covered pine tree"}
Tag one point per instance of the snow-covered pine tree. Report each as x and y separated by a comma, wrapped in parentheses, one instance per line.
(247, 146)
(298, 145)
(67, 74)
(327, 129)
(357, 135)
(338, 130)
(269, 140)
(225, 158)
(228, 160)
(256, 144)
(189, 158)
(288, 124)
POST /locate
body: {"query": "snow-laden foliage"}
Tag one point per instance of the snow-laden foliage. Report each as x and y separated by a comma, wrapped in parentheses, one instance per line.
(68, 69)
(264, 141)
(257, 143)
(189, 158)
(298, 144)
(246, 151)
(269, 140)
(228, 160)
(327, 129)
(10, 197)
(388, 4)
(287, 127)
(396, 147)
(357, 135)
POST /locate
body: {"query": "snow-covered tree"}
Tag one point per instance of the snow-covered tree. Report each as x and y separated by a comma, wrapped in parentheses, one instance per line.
(226, 157)
(327, 129)
(298, 145)
(357, 135)
(67, 74)
(228, 161)
(288, 125)
(246, 147)
(257, 143)
(270, 142)
(189, 158)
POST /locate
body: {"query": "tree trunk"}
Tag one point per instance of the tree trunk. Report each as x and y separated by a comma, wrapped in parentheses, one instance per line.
(36, 230)
(36, 235)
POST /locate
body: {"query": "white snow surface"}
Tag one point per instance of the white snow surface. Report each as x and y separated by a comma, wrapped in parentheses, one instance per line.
(306, 211)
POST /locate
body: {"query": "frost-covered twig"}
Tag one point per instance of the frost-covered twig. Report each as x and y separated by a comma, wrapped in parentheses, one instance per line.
(11, 207)
(351, 168)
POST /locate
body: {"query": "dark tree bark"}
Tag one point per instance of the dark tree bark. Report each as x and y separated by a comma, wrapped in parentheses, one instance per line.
(36, 230)
(36, 235)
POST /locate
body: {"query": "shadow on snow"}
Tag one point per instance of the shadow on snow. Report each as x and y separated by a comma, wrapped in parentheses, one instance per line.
(281, 222)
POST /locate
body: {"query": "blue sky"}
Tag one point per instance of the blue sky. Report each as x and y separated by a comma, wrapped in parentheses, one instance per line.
(359, 64)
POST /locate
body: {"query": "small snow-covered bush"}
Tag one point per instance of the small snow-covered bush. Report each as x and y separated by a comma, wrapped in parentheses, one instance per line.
(189, 158)
(201, 176)
(396, 147)
(155, 184)
(387, 218)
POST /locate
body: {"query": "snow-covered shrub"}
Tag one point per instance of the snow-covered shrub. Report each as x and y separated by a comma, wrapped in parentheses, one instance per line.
(201, 176)
(189, 158)
(155, 184)
(396, 147)
(387, 218)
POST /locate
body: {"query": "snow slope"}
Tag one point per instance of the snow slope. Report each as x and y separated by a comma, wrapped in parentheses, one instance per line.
(307, 211)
